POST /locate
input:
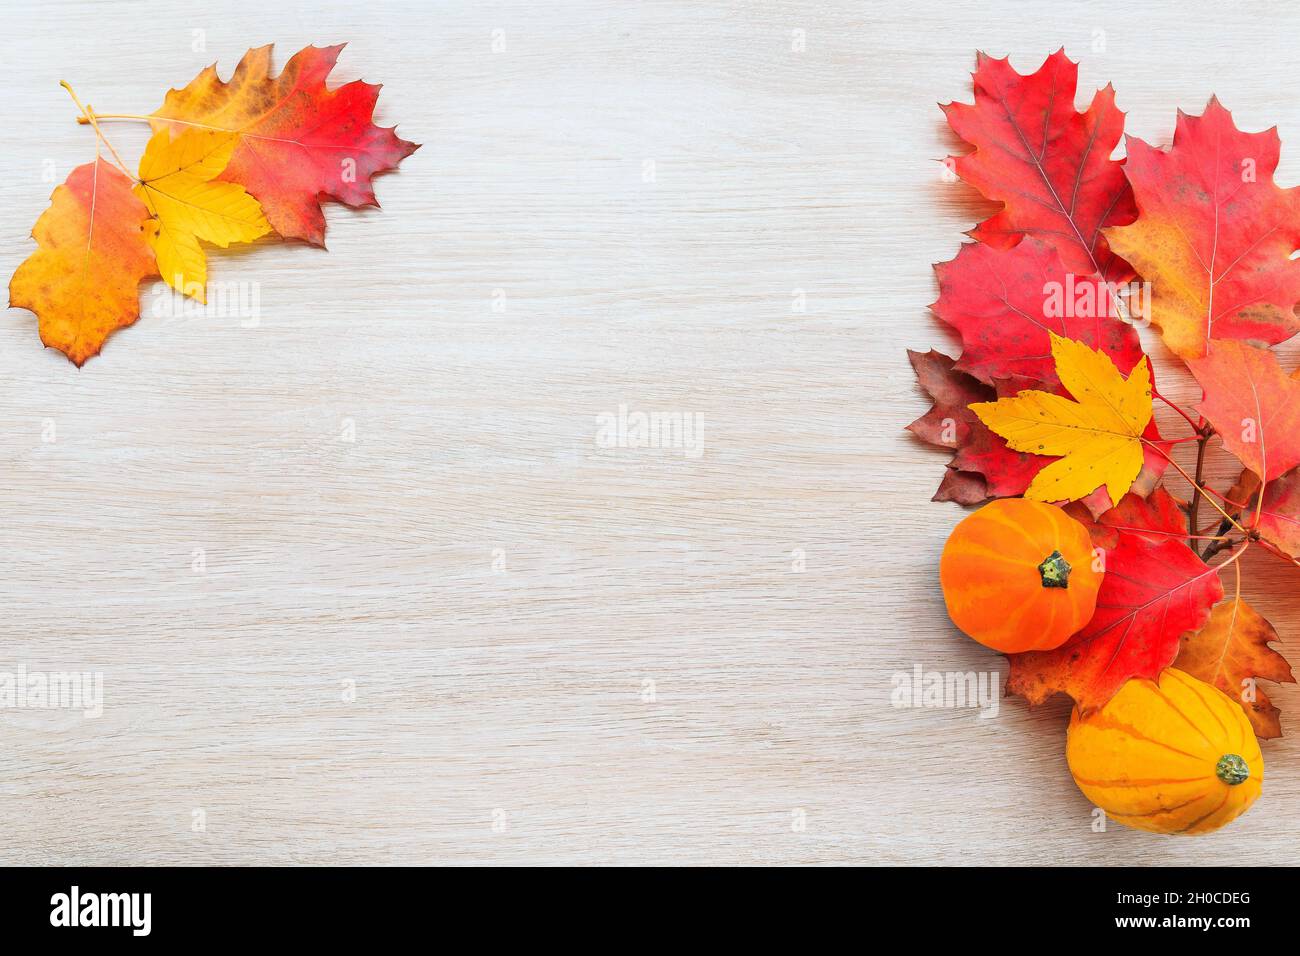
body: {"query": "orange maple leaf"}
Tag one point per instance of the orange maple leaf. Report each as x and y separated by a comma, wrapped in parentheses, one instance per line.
(298, 139)
(83, 280)
(1231, 652)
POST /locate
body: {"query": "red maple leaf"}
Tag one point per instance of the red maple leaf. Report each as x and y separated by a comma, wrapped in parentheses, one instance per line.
(1152, 591)
(1046, 162)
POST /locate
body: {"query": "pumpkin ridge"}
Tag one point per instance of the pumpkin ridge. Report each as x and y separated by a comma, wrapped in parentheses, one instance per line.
(1064, 532)
(1202, 819)
(1053, 607)
(1158, 810)
(1156, 782)
(1155, 688)
(995, 535)
(1245, 734)
(1015, 616)
(996, 518)
(1206, 701)
(1102, 722)
(989, 554)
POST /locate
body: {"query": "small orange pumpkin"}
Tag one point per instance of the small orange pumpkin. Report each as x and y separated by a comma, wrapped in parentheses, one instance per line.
(1018, 575)
(1175, 757)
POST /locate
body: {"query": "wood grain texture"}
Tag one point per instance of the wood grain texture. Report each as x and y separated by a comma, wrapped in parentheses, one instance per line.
(521, 695)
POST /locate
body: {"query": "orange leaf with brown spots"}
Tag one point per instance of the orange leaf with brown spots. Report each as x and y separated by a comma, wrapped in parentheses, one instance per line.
(1214, 234)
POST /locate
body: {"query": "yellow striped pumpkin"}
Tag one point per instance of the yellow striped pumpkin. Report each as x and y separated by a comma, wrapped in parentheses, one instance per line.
(1174, 757)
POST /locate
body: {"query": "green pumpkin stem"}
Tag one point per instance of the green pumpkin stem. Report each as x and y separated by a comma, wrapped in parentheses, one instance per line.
(1055, 571)
(1232, 770)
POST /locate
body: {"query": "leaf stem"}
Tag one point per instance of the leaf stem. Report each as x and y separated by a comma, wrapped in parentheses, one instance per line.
(1178, 409)
(88, 115)
(1235, 555)
(138, 117)
(1237, 568)
(1169, 534)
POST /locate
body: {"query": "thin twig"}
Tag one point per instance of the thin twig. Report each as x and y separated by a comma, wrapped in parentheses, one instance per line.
(88, 115)
(1192, 481)
(1195, 508)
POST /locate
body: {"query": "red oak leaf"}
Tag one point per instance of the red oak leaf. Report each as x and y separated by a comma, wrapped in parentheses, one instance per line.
(983, 467)
(1151, 593)
(299, 140)
(1046, 162)
(963, 487)
(949, 423)
(1252, 404)
(1005, 303)
(1214, 235)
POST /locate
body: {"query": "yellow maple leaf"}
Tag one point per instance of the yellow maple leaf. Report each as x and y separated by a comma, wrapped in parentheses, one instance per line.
(1097, 434)
(177, 185)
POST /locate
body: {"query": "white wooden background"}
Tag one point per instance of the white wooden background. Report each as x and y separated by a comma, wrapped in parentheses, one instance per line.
(520, 697)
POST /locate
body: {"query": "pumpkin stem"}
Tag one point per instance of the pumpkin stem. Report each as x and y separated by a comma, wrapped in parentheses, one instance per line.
(1055, 571)
(1232, 770)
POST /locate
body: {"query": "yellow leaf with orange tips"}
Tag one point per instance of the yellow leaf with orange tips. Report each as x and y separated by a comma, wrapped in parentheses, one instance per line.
(176, 184)
(1098, 433)
(83, 280)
